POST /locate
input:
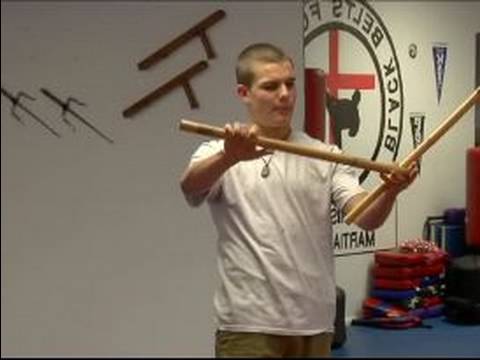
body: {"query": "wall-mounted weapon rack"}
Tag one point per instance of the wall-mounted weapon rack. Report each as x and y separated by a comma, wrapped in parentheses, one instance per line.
(182, 79)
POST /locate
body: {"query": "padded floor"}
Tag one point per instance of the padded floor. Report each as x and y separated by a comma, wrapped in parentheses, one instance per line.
(444, 339)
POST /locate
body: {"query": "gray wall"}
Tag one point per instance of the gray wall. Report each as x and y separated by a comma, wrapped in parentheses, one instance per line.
(100, 253)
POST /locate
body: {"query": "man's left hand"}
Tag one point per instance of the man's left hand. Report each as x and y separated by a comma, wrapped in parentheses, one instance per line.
(398, 181)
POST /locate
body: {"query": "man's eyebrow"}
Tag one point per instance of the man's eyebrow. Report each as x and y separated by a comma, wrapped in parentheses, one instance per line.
(273, 81)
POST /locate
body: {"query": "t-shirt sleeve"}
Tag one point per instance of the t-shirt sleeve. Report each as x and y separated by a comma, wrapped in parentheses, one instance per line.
(205, 150)
(345, 183)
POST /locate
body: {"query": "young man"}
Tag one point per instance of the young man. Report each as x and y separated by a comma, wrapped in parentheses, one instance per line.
(272, 213)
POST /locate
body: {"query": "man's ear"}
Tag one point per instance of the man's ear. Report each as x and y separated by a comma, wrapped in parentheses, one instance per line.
(242, 92)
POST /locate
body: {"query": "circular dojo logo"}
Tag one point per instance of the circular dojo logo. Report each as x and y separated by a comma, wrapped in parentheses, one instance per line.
(348, 47)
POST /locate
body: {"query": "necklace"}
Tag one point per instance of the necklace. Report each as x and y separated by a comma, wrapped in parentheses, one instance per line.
(266, 167)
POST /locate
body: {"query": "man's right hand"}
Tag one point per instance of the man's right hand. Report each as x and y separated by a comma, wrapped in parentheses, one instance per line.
(240, 142)
(239, 145)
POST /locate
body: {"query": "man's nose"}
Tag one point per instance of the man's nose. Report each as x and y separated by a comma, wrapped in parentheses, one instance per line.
(284, 90)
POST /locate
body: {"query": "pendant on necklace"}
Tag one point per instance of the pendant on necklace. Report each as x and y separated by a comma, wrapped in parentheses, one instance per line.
(266, 167)
(265, 171)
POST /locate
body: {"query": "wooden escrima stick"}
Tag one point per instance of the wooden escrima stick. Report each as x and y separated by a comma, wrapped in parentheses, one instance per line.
(199, 29)
(182, 79)
(298, 149)
(417, 153)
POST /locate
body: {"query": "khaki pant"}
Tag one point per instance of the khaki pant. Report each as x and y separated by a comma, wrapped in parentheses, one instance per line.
(243, 344)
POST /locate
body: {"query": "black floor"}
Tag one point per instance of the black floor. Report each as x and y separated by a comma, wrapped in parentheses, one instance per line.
(444, 339)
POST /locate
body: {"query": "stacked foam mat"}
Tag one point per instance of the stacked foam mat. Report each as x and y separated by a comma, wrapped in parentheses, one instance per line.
(408, 286)
(413, 282)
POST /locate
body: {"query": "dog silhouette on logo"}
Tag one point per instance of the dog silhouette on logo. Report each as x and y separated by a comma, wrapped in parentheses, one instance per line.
(344, 115)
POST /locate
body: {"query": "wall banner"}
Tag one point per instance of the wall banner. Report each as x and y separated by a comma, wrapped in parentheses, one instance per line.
(417, 125)
(439, 52)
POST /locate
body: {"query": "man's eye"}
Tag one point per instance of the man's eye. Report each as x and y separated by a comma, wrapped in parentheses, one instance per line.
(270, 87)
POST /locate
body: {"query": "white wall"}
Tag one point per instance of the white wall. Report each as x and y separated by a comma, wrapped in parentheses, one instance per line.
(100, 253)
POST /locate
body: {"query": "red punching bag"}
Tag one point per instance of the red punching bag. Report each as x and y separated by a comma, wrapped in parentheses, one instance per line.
(473, 197)
(315, 103)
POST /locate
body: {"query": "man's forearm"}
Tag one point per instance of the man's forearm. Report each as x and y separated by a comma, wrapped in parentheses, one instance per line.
(376, 214)
(200, 176)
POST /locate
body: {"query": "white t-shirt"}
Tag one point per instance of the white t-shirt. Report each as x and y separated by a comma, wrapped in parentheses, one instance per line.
(275, 254)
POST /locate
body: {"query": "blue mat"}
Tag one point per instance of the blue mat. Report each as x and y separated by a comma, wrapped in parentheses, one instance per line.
(444, 339)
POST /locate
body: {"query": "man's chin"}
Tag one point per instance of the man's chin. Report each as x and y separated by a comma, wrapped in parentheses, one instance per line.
(277, 121)
(282, 121)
